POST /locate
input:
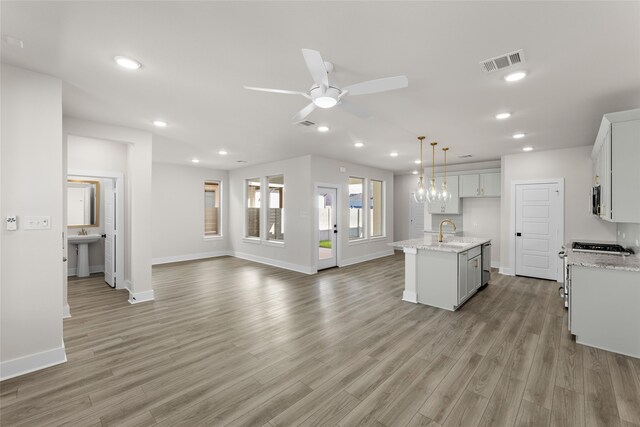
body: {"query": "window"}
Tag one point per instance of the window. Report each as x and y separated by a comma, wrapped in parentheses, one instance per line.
(376, 208)
(253, 208)
(275, 211)
(356, 217)
(211, 208)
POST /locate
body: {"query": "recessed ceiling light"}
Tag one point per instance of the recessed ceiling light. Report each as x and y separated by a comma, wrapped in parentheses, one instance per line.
(417, 162)
(514, 77)
(323, 128)
(527, 148)
(128, 63)
(358, 144)
(393, 154)
(195, 160)
(160, 123)
(222, 152)
(415, 172)
(518, 135)
(502, 116)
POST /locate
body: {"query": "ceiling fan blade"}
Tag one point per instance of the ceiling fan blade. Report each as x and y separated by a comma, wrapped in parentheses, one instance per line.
(354, 109)
(379, 85)
(288, 92)
(303, 113)
(316, 67)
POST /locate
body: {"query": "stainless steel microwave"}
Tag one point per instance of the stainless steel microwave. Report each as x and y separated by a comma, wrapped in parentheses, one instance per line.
(595, 200)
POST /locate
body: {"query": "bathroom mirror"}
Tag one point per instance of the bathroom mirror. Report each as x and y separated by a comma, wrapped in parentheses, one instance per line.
(83, 203)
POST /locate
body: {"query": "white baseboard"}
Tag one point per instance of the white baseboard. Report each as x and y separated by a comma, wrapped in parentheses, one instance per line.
(364, 258)
(189, 257)
(495, 264)
(274, 262)
(507, 271)
(138, 297)
(66, 311)
(409, 297)
(72, 271)
(33, 362)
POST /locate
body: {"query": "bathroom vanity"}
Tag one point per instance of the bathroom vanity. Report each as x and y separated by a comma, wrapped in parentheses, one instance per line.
(442, 274)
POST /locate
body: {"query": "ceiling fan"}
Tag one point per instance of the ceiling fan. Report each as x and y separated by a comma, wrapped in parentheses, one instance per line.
(326, 94)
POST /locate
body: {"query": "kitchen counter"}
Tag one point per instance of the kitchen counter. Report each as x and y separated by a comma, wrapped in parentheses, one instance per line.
(450, 243)
(613, 262)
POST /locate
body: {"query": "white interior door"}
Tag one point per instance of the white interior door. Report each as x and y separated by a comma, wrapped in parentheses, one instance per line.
(109, 231)
(538, 220)
(416, 212)
(327, 207)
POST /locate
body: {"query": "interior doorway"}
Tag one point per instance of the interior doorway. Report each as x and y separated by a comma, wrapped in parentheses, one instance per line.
(97, 214)
(539, 229)
(327, 208)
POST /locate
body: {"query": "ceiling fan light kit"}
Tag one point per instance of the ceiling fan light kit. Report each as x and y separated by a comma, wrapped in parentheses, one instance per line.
(325, 95)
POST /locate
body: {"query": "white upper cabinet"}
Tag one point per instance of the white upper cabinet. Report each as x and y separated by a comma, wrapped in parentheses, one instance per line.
(616, 160)
(480, 185)
(470, 185)
(453, 205)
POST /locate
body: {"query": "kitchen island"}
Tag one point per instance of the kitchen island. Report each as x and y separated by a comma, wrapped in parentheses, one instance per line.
(442, 274)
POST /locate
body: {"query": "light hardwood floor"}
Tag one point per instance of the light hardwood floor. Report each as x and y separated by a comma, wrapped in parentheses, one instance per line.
(230, 342)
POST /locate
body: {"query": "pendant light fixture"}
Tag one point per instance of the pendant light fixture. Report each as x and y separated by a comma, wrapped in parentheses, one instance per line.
(445, 195)
(432, 192)
(420, 194)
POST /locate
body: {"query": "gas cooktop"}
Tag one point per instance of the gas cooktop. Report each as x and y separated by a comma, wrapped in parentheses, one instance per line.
(601, 248)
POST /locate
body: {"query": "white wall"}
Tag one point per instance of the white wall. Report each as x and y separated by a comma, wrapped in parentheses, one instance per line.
(95, 155)
(31, 260)
(629, 236)
(294, 254)
(178, 213)
(481, 217)
(327, 171)
(138, 209)
(572, 164)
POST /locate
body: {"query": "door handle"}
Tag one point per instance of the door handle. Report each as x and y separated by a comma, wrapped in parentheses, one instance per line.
(104, 236)
(518, 234)
(64, 259)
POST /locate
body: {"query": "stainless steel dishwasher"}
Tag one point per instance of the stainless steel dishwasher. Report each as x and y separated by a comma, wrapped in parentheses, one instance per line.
(486, 263)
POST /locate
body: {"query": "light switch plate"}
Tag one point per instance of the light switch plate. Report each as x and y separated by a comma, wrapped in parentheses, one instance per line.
(36, 223)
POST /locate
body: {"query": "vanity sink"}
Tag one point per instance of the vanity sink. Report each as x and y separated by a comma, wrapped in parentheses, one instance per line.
(82, 241)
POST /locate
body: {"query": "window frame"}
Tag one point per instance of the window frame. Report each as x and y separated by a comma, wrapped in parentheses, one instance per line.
(220, 234)
(268, 203)
(365, 236)
(383, 207)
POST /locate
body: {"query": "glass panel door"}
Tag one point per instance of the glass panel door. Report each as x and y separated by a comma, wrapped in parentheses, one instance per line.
(327, 227)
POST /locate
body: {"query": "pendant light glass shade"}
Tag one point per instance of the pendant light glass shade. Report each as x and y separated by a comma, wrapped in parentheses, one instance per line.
(432, 192)
(445, 194)
(420, 193)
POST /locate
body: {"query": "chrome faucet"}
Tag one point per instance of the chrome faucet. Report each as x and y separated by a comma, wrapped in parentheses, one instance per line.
(442, 222)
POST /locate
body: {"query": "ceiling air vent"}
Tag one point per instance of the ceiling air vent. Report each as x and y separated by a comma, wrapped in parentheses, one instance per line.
(306, 123)
(465, 156)
(503, 61)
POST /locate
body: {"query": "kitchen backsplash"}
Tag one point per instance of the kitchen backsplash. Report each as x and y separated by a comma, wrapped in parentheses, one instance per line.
(629, 236)
(436, 218)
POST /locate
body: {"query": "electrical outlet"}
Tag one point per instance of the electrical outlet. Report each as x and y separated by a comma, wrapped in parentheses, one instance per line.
(37, 223)
(12, 223)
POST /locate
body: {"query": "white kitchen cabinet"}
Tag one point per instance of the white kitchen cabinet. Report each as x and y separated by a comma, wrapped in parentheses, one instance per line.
(453, 205)
(474, 274)
(463, 269)
(470, 185)
(480, 185)
(616, 156)
(603, 306)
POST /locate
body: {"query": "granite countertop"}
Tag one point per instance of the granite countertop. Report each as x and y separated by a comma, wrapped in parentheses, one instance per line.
(613, 262)
(451, 243)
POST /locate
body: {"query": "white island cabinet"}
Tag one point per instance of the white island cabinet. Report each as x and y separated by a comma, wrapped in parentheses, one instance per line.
(442, 274)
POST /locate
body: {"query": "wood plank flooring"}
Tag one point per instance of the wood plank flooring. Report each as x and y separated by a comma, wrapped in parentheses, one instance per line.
(230, 342)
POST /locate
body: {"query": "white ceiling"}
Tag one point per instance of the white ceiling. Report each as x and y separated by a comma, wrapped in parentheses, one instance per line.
(582, 59)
